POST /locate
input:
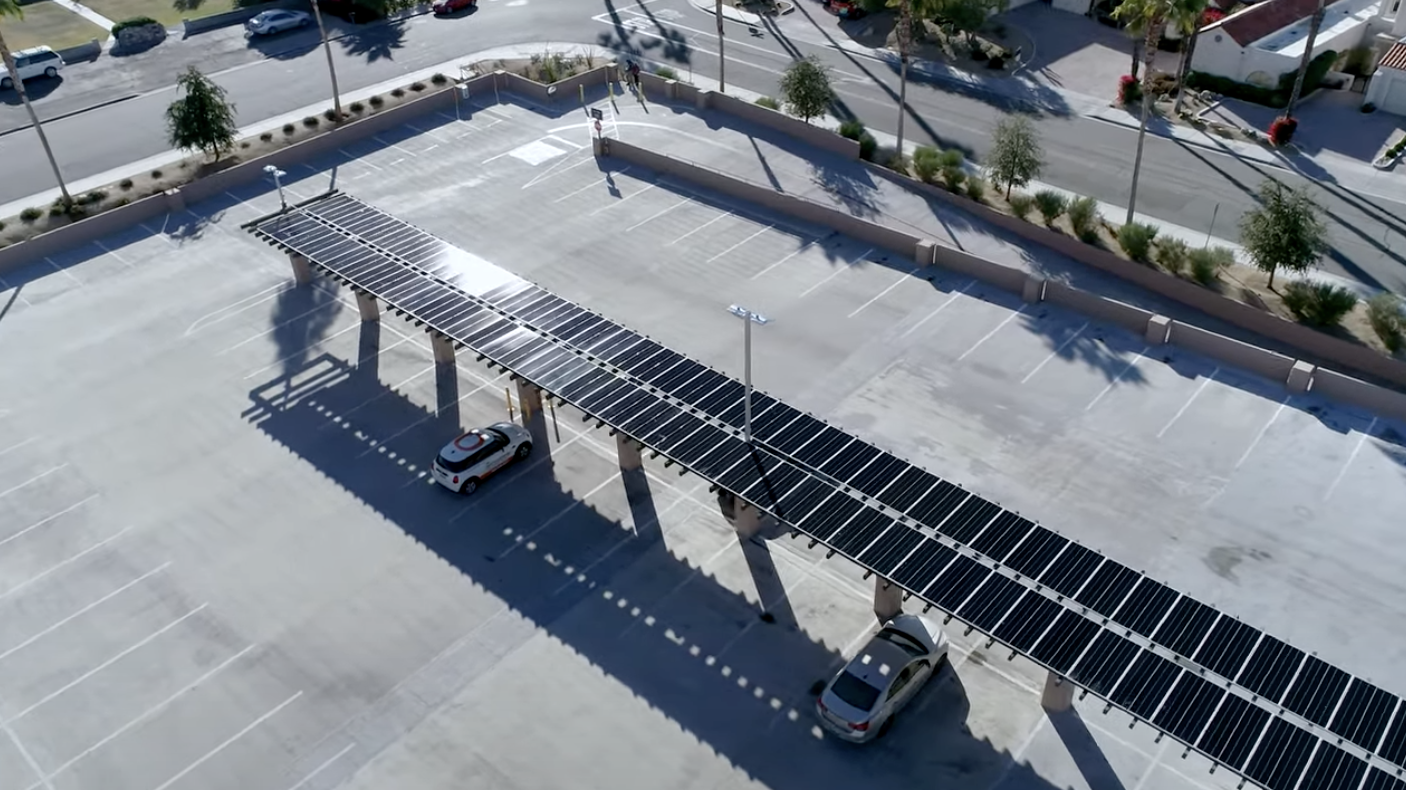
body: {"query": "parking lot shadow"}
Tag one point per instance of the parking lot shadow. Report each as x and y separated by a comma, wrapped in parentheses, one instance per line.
(748, 697)
(1087, 754)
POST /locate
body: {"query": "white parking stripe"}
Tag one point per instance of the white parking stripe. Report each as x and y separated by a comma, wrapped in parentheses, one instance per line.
(1056, 352)
(991, 334)
(1204, 383)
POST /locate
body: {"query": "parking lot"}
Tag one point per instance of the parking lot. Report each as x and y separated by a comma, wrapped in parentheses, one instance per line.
(221, 547)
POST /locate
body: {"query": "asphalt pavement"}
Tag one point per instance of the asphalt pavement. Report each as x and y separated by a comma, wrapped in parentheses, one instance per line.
(1181, 183)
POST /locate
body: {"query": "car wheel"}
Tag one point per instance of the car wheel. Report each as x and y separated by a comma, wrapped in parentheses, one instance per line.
(6, 84)
(469, 486)
(524, 450)
(885, 727)
(51, 72)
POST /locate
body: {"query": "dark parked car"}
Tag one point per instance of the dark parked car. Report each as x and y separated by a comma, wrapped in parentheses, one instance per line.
(450, 6)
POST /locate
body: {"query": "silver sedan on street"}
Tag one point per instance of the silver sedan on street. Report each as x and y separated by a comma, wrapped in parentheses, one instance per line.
(859, 704)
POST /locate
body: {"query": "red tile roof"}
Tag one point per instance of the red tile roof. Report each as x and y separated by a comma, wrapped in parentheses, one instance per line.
(1395, 58)
(1262, 19)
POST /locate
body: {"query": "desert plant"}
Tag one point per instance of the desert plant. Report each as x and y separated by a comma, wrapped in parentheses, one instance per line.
(397, 92)
(266, 136)
(927, 162)
(289, 128)
(56, 210)
(1136, 240)
(202, 119)
(806, 86)
(1021, 204)
(1050, 203)
(31, 214)
(131, 22)
(1207, 263)
(156, 174)
(897, 162)
(1385, 313)
(768, 102)
(1129, 90)
(356, 107)
(952, 170)
(1285, 231)
(243, 143)
(125, 184)
(375, 101)
(417, 86)
(1281, 131)
(439, 79)
(851, 128)
(96, 196)
(1016, 156)
(1083, 218)
(1318, 304)
(1171, 254)
(330, 114)
(976, 188)
(310, 121)
(666, 73)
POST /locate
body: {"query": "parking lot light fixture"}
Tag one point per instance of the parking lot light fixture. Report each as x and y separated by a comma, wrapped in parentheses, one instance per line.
(278, 182)
(748, 318)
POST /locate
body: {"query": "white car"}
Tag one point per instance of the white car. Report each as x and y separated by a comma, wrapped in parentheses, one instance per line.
(266, 23)
(31, 63)
(859, 703)
(470, 459)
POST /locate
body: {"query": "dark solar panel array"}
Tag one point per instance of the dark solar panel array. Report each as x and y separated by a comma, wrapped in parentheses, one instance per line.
(884, 513)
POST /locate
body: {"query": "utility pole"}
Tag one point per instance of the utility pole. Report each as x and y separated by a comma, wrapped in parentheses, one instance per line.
(722, 60)
(905, 35)
(1313, 26)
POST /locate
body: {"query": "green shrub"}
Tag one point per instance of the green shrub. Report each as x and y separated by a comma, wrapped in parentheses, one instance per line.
(927, 162)
(952, 177)
(1171, 254)
(1050, 203)
(56, 210)
(136, 21)
(897, 162)
(769, 103)
(1270, 97)
(397, 92)
(439, 79)
(1021, 204)
(1318, 304)
(31, 214)
(96, 196)
(288, 128)
(852, 129)
(666, 73)
(1136, 240)
(1384, 312)
(951, 158)
(156, 174)
(976, 189)
(310, 121)
(356, 107)
(867, 146)
(417, 86)
(1318, 68)
(266, 136)
(1206, 263)
(1083, 218)
(375, 101)
(125, 184)
(330, 114)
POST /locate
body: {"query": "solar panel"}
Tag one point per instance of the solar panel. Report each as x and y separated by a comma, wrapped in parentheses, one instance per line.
(1227, 646)
(823, 447)
(907, 489)
(1071, 569)
(862, 531)
(937, 504)
(924, 564)
(1377, 779)
(1105, 662)
(991, 602)
(855, 457)
(1185, 626)
(1027, 621)
(1188, 707)
(1363, 715)
(830, 516)
(1145, 685)
(1272, 666)
(955, 583)
(1233, 731)
(1332, 769)
(1109, 586)
(1281, 756)
(987, 528)
(877, 476)
(1316, 691)
(795, 433)
(1393, 745)
(1034, 554)
(1145, 606)
(885, 555)
(1065, 641)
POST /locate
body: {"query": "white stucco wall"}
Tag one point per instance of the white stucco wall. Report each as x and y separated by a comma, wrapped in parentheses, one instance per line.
(1387, 90)
(1264, 61)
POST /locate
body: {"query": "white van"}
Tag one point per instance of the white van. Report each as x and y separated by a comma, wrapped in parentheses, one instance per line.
(32, 62)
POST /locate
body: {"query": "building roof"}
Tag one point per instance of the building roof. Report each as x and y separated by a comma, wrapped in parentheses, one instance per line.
(1263, 19)
(1395, 58)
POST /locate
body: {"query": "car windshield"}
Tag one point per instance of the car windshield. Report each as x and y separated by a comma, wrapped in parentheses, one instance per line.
(855, 691)
(909, 645)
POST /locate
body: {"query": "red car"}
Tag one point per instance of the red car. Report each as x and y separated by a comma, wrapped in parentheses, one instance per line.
(450, 6)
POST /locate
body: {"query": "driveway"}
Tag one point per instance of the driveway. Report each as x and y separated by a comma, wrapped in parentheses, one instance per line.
(1076, 53)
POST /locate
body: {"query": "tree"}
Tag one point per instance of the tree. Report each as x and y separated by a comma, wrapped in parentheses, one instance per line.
(964, 16)
(1147, 17)
(1189, 23)
(722, 59)
(1285, 232)
(327, 48)
(202, 119)
(1016, 157)
(1307, 58)
(11, 9)
(806, 87)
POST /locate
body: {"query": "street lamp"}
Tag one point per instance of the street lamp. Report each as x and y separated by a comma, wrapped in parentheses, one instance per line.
(748, 317)
(277, 175)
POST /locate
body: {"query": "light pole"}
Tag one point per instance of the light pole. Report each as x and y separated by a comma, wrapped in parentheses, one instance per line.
(277, 176)
(748, 317)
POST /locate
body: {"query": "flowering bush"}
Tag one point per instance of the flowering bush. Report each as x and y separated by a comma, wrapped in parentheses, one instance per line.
(1211, 15)
(1129, 89)
(1282, 130)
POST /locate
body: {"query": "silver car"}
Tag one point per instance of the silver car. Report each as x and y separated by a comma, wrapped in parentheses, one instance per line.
(268, 23)
(479, 454)
(859, 704)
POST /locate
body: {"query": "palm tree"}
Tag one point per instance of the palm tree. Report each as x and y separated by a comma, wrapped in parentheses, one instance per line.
(905, 47)
(1189, 20)
(722, 84)
(327, 47)
(1147, 18)
(11, 9)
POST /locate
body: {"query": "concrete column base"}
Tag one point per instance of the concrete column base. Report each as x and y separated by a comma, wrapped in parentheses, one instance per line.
(1159, 330)
(1058, 694)
(529, 401)
(629, 452)
(1034, 289)
(671, 89)
(366, 305)
(302, 270)
(888, 599)
(443, 349)
(746, 520)
(1300, 377)
(704, 97)
(925, 254)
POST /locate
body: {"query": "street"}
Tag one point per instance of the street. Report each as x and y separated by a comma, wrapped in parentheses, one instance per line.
(1183, 184)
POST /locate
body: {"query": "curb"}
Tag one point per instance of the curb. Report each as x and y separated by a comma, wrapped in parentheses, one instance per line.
(71, 113)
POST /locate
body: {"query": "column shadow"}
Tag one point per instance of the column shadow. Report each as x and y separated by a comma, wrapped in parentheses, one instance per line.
(1087, 754)
(368, 360)
(446, 385)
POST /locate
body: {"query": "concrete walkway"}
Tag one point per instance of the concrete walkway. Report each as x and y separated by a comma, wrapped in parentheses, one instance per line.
(86, 12)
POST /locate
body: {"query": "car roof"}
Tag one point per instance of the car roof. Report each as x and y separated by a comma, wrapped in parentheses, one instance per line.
(878, 663)
(32, 51)
(465, 445)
